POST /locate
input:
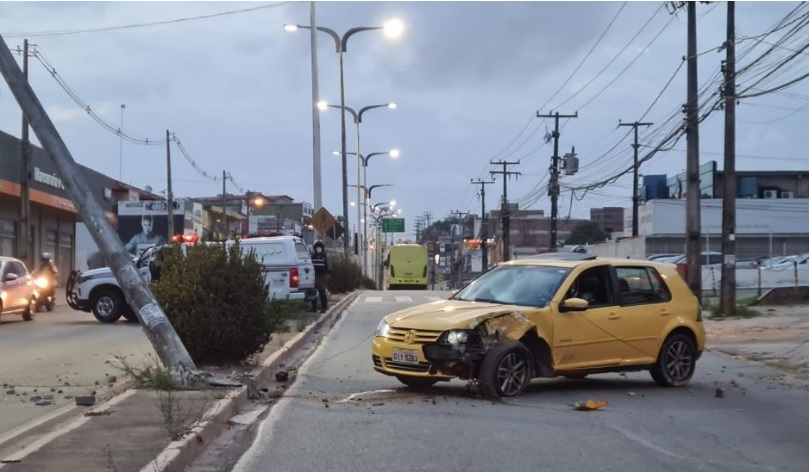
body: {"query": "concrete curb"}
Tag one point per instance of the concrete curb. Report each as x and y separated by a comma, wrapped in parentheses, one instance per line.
(179, 454)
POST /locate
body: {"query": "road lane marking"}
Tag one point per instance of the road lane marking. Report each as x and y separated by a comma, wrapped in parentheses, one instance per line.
(403, 299)
(373, 299)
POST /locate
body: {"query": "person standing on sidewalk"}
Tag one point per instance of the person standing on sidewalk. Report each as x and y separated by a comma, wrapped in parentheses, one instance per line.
(322, 272)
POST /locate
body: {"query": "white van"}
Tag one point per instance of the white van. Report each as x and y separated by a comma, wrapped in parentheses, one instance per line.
(287, 266)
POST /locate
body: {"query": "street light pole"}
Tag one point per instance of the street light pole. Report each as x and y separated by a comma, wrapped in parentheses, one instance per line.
(393, 28)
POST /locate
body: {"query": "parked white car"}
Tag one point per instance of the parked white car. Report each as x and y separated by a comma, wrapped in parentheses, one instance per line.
(286, 264)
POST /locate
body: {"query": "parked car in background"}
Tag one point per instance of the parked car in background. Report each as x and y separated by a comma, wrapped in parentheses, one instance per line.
(662, 257)
(18, 294)
(563, 315)
(286, 264)
(706, 258)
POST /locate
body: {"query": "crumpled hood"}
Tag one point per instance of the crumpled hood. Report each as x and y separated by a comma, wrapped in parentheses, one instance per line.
(448, 314)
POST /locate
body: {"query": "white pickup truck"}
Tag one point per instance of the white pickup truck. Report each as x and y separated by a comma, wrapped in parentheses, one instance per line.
(97, 291)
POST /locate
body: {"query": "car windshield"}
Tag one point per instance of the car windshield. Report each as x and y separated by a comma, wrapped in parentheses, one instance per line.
(515, 285)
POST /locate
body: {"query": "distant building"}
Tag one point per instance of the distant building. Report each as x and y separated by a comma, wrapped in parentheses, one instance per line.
(610, 219)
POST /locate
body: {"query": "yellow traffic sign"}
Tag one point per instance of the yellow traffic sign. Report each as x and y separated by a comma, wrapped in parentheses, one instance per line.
(322, 220)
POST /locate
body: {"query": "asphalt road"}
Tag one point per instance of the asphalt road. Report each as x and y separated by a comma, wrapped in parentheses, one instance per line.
(61, 353)
(341, 415)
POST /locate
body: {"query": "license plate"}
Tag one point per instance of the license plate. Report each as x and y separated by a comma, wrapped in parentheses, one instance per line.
(406, 356)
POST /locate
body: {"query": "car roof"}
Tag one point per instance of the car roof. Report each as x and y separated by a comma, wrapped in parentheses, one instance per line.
(569, 261)
(9, 259)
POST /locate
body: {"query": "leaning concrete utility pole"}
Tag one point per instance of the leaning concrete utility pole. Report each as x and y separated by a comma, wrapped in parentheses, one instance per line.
(728, 279)
(316, 113)
(154, 322)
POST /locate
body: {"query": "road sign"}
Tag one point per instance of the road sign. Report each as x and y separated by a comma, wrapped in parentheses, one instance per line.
(322, 220)
(393, 225)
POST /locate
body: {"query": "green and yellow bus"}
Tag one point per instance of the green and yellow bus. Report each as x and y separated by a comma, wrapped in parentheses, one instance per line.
(407, 267)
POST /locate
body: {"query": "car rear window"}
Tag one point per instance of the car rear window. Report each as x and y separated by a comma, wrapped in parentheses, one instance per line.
(301, 250)
(639, 285)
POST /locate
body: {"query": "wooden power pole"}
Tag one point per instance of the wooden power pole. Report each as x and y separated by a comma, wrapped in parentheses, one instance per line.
(728, 279)
(635, 126)
(554, 179)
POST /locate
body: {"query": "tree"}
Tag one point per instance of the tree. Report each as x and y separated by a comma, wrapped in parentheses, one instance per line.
(587, 233)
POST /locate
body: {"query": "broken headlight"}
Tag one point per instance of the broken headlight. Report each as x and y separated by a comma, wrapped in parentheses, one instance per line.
(382, 329)
(456, 337)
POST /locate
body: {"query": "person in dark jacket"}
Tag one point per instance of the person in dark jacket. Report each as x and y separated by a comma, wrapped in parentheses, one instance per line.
(322, 271)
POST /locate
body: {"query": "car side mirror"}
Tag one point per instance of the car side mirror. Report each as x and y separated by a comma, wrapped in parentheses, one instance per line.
(573, 304)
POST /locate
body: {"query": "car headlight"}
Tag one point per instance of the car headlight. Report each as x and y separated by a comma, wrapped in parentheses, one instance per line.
(382, 329)
(456, 337)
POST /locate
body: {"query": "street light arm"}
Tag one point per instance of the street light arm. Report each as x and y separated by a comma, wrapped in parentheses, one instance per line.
(354, 114)
(348, 34)
(359, 116)
(326, 30)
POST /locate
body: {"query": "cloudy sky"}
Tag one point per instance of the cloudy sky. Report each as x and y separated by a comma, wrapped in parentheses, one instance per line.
(468, 78)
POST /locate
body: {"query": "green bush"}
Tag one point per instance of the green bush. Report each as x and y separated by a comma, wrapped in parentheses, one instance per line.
(216, 299)
(346, 275)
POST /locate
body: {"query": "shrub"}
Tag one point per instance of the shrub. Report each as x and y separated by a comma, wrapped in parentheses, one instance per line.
(216, 299)
(346, 275)
(369, 284)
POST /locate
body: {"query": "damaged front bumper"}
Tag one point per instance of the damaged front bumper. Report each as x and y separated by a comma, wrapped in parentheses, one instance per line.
(441, 359)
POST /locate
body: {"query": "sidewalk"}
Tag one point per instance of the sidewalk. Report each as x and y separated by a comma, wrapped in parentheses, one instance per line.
(131, 432)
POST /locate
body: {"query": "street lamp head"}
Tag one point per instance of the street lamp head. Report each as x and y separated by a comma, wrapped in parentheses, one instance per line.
(393, 28)
(392, 105)
(393, 203)
(335, 153)
(323, 106)
(291, 28)
(394, 153)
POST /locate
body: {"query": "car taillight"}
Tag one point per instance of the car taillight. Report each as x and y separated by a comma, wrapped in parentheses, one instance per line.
(294, 278)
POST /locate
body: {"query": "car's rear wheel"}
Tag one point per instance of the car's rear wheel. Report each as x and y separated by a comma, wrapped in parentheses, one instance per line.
(676, 362)
(107, 305)
(506, 370)
(419, 383)
(31, 310)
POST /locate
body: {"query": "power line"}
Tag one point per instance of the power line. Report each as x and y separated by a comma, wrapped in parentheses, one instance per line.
(142, 25)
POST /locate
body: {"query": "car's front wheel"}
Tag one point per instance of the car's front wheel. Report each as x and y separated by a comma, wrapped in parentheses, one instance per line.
(506, 370)
(676, 361)
(418, 383)
(107, 306)
(31, 310)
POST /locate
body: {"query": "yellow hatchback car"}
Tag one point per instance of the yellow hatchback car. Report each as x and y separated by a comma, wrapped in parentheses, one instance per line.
(554, 315)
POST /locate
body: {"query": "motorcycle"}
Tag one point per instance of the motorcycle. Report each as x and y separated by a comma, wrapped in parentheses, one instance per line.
(46, 291)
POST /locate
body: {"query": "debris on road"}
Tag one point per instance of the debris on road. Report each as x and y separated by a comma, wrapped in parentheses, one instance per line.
(590, 405)
(719, 392)
(85, 400)
(282, 376)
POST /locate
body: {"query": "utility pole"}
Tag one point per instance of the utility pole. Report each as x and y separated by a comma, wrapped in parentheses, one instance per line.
(693, 262)
(456, 277)
(505, 204)
(484, 247)
(635, 126)
(154, 322)
(728, 280)
(169, 194)
(24, 232)
(224, 212)
(554, 179)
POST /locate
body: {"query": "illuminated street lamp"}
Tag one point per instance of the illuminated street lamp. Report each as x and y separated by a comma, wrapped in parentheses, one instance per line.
(392, 29)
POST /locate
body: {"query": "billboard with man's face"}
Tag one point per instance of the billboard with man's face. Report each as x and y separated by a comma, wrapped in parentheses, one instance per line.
(142, 224)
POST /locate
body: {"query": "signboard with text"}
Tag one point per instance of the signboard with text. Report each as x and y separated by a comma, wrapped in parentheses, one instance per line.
(393, 225)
